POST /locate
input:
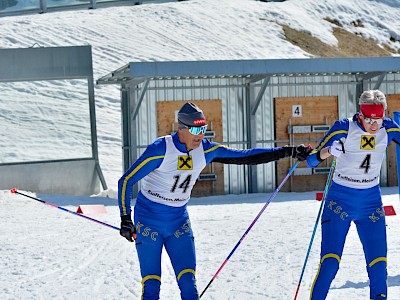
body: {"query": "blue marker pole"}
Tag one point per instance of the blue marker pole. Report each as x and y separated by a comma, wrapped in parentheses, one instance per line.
(396, 118)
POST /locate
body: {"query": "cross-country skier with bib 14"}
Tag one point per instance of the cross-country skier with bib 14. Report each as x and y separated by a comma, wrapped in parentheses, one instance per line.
(359, 145)
(168, 170)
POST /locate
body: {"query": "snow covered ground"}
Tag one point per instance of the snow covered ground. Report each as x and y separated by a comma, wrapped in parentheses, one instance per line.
(46, 253)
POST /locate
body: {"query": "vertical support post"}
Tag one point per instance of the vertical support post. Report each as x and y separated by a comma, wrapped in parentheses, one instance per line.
(359, 90)
(43, 6)
(125, 124)
(129, 108)
(251, 133)
(136, 96)
(396, 117)
(93, 131)
(291, 142)
(252, 102)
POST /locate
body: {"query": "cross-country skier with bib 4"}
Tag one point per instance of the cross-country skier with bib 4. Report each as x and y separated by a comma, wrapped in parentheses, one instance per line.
(359, 145)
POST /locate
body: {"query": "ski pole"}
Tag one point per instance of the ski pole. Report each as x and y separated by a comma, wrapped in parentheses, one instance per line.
(251, 225)
(14, 191)
(328, 182)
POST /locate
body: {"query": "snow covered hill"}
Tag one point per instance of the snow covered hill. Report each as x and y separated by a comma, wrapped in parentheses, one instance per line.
(191, 30)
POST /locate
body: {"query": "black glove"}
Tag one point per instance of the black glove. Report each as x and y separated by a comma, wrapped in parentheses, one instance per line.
(300, 152)
(128, 229)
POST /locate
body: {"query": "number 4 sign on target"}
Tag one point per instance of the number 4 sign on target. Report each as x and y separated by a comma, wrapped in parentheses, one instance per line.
(297, 111)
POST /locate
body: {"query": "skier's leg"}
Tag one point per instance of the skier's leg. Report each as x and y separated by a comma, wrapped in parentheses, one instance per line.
(372, 233)
(335, 226)
(181, 250)
(149, 243)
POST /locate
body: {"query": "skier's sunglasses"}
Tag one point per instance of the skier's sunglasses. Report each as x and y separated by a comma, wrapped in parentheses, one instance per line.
(373, 121)
(197, 130)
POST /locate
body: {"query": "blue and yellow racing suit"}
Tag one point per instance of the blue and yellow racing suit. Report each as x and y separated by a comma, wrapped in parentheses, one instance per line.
(168, 173)
(354, 196)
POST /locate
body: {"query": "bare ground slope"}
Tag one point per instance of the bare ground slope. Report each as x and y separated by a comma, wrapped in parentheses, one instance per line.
(349, 44)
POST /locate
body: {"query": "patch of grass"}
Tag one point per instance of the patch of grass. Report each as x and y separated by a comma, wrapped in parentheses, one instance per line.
(349, 44)
(352, 45)
(309, 43)
(333, 21)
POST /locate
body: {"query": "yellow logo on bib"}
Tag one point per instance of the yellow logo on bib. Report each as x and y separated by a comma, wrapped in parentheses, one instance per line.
(367, 142)
(185, 162)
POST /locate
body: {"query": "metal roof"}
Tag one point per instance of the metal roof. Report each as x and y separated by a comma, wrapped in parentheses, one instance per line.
(371, 66)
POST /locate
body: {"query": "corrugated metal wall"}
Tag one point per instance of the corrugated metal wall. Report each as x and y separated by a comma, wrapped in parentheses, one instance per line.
(232, 91)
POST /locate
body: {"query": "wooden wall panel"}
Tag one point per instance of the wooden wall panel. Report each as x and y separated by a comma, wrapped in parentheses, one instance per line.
(167, 123)
(315, 111)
